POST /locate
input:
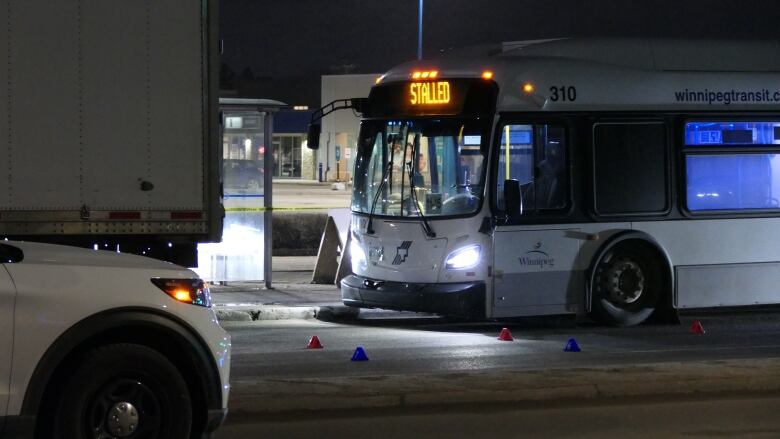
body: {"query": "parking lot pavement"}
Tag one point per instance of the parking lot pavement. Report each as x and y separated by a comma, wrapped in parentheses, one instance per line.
(416, 365)
(532, 387)
(293, 297)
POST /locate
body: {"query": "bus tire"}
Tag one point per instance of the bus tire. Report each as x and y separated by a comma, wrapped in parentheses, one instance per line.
(626, 284)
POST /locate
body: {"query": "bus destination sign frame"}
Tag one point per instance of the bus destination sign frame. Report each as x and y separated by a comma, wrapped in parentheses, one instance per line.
(429, 93)
(452, 96)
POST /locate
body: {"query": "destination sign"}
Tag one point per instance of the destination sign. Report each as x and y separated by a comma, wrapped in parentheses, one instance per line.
(432, 97)
(429, 93)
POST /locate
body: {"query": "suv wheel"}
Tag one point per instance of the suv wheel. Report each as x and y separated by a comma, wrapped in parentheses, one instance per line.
(124, 391)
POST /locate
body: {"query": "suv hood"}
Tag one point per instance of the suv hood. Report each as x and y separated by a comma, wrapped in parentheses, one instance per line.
(52, 254)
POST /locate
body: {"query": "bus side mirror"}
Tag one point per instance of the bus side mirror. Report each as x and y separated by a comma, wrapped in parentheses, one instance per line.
(313, 136)
(513, 199)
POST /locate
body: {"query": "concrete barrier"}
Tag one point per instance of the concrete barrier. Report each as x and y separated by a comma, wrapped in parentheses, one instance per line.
(333, 256)
(298, 233)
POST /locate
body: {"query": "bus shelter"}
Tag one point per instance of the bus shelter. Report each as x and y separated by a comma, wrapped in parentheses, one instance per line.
(244, 253)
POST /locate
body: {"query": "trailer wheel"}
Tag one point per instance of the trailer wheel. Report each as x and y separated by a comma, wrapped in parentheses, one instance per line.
(626, 284)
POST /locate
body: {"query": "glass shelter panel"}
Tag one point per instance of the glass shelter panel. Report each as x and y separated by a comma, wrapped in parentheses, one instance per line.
(240, 255)
(242, 155)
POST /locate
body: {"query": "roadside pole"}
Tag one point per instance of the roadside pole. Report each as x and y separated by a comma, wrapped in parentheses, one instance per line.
(338, 158)
(268, 218)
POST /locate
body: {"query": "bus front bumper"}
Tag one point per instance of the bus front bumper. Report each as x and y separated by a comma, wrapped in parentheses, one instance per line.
(466, 299)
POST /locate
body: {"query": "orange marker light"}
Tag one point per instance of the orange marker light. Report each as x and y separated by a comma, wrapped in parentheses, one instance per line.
(379, 79)
(182, 296)
(187, 290)
(528, 88)
(427, 74)
(487, 74)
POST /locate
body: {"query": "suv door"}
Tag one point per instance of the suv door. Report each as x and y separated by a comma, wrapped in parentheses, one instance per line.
(7, 297)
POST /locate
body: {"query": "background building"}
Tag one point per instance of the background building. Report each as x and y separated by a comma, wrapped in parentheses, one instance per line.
(292, 159)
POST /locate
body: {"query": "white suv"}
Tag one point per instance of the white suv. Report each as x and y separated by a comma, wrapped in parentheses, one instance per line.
(107, 345)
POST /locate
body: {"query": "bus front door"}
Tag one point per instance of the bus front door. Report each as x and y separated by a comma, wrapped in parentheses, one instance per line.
(534, 271)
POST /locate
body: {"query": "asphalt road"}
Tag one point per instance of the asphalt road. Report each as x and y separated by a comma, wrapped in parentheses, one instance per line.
(415, 364)
(276, 349)
(742, 417)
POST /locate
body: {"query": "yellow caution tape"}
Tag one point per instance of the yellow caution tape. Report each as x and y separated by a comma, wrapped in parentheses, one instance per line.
(278, 209)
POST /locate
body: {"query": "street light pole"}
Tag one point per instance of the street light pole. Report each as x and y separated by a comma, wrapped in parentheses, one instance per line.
(419, 31)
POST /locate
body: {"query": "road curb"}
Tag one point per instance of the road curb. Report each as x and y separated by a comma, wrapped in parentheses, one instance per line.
(229, 315)
(274, 397)
(249, 313)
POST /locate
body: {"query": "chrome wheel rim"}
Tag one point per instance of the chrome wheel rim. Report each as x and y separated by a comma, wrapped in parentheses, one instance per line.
(124, 408)
(623, 281)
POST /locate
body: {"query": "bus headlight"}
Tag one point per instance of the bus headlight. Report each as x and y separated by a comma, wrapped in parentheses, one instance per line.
(465, 257)
(358, 255)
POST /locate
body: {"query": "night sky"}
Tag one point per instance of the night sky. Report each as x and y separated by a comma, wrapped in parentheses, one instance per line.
(287, 44)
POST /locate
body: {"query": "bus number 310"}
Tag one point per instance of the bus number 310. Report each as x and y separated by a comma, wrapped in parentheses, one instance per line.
(563, 93)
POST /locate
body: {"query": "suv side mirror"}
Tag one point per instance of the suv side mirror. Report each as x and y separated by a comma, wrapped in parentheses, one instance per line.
(513, 199)
(313, 136)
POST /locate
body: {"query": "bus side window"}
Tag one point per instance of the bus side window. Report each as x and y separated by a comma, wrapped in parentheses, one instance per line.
(535, 156)
(551, 168)
(516, 162)
(722, 174)
(630, 168)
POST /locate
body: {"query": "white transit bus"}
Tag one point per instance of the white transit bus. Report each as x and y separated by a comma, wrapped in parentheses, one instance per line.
(610, 178)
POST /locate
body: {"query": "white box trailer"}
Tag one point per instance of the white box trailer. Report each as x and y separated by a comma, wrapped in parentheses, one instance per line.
(109, 124)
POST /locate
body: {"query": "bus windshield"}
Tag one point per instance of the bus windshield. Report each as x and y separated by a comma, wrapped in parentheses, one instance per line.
(431, 167)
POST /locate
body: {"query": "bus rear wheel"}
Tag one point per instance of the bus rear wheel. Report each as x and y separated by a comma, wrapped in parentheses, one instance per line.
(627, 283)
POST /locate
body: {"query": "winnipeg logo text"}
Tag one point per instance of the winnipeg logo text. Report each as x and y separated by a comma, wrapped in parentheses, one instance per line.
(536, 258)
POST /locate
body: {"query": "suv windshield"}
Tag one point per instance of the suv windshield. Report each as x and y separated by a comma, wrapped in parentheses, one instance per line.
(433, 167)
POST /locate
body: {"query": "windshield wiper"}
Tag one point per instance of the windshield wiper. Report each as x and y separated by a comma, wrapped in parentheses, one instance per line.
(369, 225)
(427, 227)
